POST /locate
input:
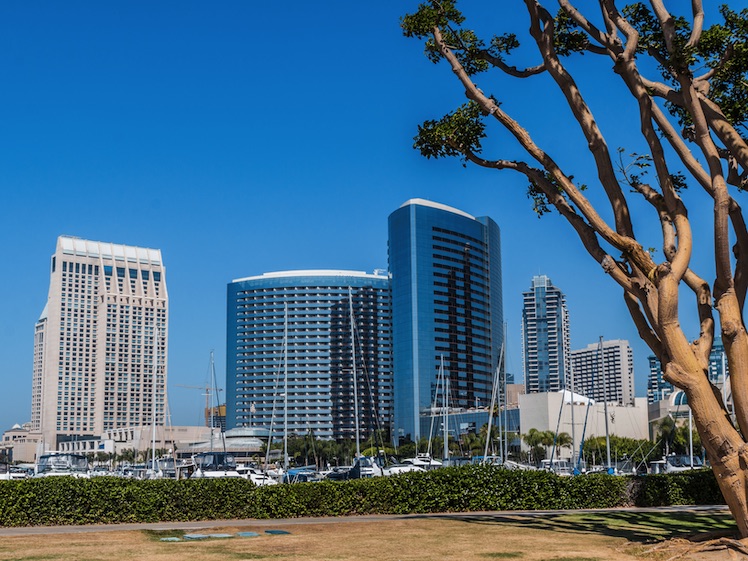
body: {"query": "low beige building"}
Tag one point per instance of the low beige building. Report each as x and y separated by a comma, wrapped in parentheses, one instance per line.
(139, 439)
(20, 444)
(541, 411)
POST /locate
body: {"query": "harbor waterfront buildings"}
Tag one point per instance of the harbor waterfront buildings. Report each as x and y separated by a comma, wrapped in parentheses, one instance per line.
(545, 337)
(446, 308)
(290, 357)
(100, 345)
(604, 371)
(553, 411)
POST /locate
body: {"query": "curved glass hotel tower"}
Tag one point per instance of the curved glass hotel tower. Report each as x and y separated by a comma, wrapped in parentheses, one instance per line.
(446, 302)
(314, 309)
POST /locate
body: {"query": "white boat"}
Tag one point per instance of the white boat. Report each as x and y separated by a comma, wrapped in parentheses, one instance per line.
(681, 462)
(214, 465)
(509, 464)
(256, 476)
(423, 461)
(164, 467)
(10, 473)
(61, 463)
(559, 467)
(398, 468)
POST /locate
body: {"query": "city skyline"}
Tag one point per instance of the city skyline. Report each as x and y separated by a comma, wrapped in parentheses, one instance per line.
(197, 131)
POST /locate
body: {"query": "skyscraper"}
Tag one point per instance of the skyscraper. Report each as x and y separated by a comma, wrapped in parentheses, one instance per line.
(616, 368)
(446, 303)
(545, 337)
(100, 345)
(293, 329)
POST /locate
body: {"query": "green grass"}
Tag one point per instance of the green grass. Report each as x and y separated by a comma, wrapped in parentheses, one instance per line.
(645, 526)
(504, 555)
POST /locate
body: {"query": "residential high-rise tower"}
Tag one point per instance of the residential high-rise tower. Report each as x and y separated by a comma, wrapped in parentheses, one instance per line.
(100, 345)
(545, 337)
(605, 373)
(446, 305)
(290, 354)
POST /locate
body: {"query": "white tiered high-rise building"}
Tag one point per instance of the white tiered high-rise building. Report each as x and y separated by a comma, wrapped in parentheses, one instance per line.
(100, 345)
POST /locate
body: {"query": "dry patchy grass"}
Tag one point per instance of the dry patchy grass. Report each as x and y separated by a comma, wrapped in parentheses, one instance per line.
(619, 535)
(404, 539)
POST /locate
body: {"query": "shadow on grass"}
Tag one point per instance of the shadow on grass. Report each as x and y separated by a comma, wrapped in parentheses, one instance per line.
(640, 527)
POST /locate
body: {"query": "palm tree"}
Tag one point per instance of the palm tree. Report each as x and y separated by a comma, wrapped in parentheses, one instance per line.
(563, 440)
(535, 440)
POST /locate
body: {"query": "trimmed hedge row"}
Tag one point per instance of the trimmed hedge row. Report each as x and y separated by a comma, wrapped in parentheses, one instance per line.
(105, 500)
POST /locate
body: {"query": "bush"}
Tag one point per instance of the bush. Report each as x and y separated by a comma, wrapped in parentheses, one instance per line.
(105, 500)
(684, 488)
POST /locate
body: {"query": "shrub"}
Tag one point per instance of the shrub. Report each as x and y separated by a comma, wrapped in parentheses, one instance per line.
(105, 500)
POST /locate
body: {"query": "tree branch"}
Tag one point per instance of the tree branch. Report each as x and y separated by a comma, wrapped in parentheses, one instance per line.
(542, 30)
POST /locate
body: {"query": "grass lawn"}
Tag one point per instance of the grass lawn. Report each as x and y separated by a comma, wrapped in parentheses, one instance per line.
(553, 537)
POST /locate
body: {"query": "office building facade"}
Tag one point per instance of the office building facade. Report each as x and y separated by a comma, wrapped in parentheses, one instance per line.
(604, 372)
(447, 306)
(545, 337)
(100, 345)
(290, 356)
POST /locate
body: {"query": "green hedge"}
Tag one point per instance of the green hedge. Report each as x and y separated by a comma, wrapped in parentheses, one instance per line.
(105, 500)
(697, 487)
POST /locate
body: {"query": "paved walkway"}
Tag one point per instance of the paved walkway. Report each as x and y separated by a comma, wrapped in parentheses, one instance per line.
(496, 516)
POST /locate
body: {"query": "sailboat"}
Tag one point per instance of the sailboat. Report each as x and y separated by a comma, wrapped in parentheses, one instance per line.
(214, 463)
(424, 460)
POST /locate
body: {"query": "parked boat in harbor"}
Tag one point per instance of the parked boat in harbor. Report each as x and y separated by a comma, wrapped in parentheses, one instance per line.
(62, 463)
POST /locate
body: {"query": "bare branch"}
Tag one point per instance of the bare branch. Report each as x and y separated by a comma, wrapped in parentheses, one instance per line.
(511, 70)
(585, 24)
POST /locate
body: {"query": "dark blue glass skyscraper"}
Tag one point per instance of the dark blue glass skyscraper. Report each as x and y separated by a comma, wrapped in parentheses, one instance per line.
(446, 304)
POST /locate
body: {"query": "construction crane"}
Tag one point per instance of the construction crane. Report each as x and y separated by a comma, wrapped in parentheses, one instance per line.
(208, 392)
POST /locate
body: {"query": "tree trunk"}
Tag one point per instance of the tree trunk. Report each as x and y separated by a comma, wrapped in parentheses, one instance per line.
(724, 446)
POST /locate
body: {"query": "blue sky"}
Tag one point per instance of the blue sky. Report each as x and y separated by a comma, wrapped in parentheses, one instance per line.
(241, 138)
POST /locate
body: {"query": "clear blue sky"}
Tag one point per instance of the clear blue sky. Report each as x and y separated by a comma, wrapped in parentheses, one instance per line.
(245, 137)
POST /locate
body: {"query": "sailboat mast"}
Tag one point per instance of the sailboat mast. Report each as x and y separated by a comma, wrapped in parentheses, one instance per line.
(153, 423)
(445, 382)
(605, 401)
(573, 429)
(285, 388)
(494, 391)
(355, 385)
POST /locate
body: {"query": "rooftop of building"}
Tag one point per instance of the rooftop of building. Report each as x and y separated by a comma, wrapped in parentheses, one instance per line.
(377, 274)
(70, 245)
(439, 206)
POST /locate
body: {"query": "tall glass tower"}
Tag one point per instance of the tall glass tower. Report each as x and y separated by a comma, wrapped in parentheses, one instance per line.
(290, 354)
(545, 337)
(446, 305)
